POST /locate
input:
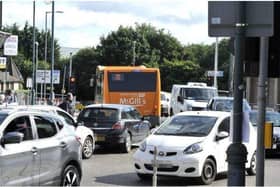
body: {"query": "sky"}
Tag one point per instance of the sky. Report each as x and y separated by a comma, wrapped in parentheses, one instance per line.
(82, 23)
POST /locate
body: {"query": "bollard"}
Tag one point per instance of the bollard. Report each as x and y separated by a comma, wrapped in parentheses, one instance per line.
(155, 167)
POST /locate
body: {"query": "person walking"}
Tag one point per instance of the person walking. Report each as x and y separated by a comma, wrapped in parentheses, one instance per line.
(67, 104)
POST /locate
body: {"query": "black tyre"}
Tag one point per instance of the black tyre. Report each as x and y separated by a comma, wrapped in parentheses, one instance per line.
(126, 146)
(87, 149)
(209, 172)
(70, 176)
(253, 163)
(144, 176)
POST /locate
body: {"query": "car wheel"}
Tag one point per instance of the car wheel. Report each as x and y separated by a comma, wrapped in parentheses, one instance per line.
(87, 149)
(144, 176)
(209, 172)
(253, 164)
(126, 146)
(70, 176)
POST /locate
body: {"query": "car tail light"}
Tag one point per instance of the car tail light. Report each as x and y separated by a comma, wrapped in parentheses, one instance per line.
(117, 126)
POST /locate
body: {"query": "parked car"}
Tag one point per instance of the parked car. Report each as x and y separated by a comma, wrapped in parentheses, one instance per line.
(191, 144)
(115, 124)
(38, 149)
(86, 135)
(225, 104)
(273, 117)
(165, 103)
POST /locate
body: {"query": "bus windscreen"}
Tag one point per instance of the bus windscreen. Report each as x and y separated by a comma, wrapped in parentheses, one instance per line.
(132, 81)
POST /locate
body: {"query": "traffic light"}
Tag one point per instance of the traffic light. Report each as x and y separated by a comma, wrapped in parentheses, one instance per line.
(72, 85)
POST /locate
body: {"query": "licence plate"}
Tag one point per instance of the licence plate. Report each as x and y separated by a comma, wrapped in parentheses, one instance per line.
(99, 138)
(163, 163)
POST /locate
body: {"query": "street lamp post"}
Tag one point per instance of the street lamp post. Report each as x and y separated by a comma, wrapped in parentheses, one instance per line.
(36, 68)
(46, 44)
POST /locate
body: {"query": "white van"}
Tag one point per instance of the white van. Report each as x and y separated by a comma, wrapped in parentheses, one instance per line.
(165, 103)
(192, 96)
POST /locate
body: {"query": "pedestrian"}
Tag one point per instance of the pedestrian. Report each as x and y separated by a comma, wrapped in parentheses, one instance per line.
(10, 97)
(67, 104)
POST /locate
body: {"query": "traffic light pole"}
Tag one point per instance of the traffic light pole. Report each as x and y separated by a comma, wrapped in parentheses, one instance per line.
(237, 152)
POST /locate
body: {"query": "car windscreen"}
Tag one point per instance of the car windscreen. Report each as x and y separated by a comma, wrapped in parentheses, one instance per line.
(98, 114)
(227, 105)
(132, 81)
(3, 117)
(199, 93)
(187, 126)
(273, 117)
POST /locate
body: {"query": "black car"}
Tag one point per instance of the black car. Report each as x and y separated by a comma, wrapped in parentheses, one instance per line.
(115, 124)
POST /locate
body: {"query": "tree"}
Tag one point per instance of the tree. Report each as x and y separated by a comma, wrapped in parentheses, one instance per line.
(177, 72)
(25, 48)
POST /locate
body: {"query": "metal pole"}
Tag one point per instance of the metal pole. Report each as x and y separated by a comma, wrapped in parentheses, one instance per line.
(133, 59)
(155, 167)
(33, 59)
(262, 84)
(36, 68)
(46, 51)
(237, 152)
(52, 54)
(70, 71)
(216, 64)
(63, 83)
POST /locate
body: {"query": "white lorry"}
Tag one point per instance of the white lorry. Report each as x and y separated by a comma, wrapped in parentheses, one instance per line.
(192, 96)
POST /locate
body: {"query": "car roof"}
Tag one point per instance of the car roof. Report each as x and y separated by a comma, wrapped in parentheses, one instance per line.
(205, 113)
(114, 106)
(193, 86)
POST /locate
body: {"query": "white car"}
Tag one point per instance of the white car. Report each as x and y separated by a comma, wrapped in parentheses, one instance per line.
(85, 134)
(191, 144)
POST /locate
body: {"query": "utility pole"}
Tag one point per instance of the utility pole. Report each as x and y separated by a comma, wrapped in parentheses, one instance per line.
(133, 49)
(237, 152)
(216, 64)
(70, 70)
(33, 59)
(52, 55)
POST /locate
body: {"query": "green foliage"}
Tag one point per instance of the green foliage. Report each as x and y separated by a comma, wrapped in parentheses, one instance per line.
(177, 72)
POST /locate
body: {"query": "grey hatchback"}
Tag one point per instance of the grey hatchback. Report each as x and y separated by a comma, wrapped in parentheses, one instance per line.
(37, 148)
(115, 124)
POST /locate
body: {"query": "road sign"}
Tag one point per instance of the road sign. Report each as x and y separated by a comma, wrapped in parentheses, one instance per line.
(3, 61)
(11, 46)
(29, 82)
(222, 16)
(212, 73)
(44, 76)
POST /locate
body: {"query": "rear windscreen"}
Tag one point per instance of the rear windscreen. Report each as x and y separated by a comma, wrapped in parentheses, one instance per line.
(98, 114)
(132, 81)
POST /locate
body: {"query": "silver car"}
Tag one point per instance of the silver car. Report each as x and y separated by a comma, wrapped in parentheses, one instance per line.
(38, 149)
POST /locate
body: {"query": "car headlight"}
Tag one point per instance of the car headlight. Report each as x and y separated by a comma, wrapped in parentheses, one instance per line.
(194, 148)
(143, 146)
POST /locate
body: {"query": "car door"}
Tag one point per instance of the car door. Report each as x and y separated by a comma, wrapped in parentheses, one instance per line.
(222, 144)
(50, 148)
(19, 161)
(142, 126)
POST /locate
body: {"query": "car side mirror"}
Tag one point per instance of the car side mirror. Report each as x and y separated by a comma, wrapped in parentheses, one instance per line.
(180, 99)
(80, 123)
(222, 135)
(11, 138)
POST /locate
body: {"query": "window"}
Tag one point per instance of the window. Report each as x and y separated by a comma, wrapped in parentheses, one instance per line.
(46, 127)
(132, 81)
(22, 125)
(66, 117)
(224, 126)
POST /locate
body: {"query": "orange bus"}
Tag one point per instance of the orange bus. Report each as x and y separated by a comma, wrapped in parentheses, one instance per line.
(131, 85)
